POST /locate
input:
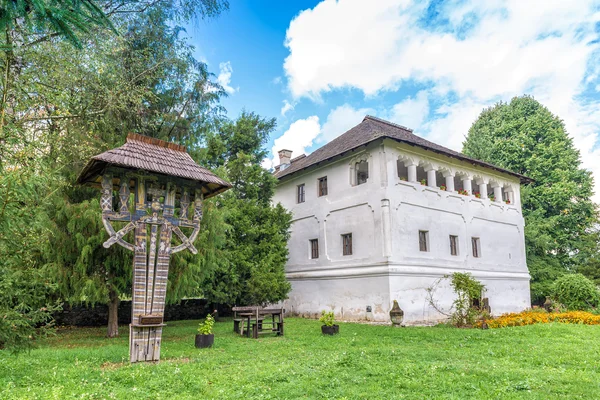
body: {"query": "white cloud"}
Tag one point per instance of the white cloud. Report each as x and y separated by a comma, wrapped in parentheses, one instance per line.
(340, 120)
(299, 136)
(411, 112)
(224, 77)
(471, 55)
(286, 107)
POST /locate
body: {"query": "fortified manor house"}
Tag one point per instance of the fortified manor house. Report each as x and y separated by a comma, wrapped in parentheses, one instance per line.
(380, 214)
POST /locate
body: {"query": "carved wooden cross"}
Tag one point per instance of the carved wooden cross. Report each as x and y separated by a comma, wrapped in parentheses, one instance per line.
(159, 173)
(153, 224)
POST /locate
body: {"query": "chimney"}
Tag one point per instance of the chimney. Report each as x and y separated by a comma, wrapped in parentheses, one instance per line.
(284, 158)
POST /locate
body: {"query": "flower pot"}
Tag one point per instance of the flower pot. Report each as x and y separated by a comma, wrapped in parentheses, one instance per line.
(204, 341)
(330, 330)
(396, 314)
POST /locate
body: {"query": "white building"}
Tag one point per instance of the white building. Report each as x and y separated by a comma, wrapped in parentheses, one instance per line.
(380, 214)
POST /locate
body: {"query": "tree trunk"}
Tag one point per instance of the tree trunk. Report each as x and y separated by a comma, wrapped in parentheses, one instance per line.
(113, 314)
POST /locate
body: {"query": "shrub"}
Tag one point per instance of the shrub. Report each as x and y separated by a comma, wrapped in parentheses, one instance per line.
(327, 318)
(576, 292)
(467, 289)
(539, 316)
(206, 327)
(466, 308)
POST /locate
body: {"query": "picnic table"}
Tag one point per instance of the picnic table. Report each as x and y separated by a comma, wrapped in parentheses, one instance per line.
(257, 320)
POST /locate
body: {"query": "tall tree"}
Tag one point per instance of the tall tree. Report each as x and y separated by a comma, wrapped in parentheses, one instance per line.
(65, 104)
(253, 271)
(525, 137)
(148, 82)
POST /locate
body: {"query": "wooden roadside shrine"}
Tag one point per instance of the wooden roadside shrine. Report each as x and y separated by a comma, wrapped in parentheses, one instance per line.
(168, 189)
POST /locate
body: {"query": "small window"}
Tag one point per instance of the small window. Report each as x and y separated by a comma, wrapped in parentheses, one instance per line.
(314, 248)
(362, 172)
(453, 245)
(322, 190)
(423, 240)
(476, 245)
(347, 244)
(300, 197)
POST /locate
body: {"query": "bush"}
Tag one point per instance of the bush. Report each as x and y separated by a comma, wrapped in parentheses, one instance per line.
(327, 318)
(206, 327)
(540, 316)
(576, 292)
(467, 289)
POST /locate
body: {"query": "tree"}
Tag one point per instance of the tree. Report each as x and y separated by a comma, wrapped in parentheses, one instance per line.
(147, 82)
(525, 137)
(66, 104)
(257, 231)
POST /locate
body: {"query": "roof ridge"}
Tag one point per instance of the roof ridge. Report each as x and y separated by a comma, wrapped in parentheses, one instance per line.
(135, 137)
(383, 121)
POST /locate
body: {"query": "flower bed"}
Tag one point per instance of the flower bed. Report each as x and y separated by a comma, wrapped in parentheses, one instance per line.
(531, 317)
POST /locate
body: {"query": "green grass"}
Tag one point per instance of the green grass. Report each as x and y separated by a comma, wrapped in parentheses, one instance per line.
(363, 361)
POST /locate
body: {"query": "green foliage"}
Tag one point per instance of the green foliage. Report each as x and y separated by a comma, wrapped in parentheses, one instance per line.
(255, 252)
(467, 289)
(59, 105)
(327, 318)
(66, 18)
(524, 137)
(576, 292)
(206, 327)
(26, 287)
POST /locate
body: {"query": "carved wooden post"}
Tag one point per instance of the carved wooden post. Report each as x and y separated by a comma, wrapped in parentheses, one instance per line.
(170, 173)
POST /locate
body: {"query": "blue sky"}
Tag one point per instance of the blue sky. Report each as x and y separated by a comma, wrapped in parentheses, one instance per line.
(319, 67)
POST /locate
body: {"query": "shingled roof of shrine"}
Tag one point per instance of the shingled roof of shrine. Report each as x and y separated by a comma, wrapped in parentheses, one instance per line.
(153, 155)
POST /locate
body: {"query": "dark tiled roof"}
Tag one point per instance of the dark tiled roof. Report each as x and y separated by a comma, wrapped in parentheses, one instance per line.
(153, 155)
(369, 130)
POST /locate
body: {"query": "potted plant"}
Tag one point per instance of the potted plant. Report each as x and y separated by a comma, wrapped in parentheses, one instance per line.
(492, 197)
(507, 201)
(205, 337)
(477, 194)
(463, 192)
(328, 327)
(443, 187)
(403, 178)
(423, 182)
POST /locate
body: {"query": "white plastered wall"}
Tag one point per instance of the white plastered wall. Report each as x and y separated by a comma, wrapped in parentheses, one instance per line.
(384, 216)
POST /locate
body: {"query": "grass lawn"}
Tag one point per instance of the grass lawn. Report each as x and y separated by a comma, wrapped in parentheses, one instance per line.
(362, 362)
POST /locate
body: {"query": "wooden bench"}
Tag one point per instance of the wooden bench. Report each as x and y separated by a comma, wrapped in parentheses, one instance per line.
(253, 318)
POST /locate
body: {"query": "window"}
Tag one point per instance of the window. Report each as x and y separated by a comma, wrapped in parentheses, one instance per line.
(423, 240)
(453, 245)
(476, 247)
(314, 248)
(362, 172)
(322, 189)
(347, 244)
(300, 194)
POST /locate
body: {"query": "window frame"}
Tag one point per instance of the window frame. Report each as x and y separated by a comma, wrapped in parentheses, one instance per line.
(347, 244)
(313, 248)
(423, 241)
(301, 193)
(454, 245)
(320, 191)
(476, 246)
(356, 172)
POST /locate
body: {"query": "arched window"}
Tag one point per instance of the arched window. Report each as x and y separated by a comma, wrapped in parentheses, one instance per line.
(362, 172)
(402, 170)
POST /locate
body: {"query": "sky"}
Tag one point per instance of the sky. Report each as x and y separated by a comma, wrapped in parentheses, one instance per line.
(433, 66)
